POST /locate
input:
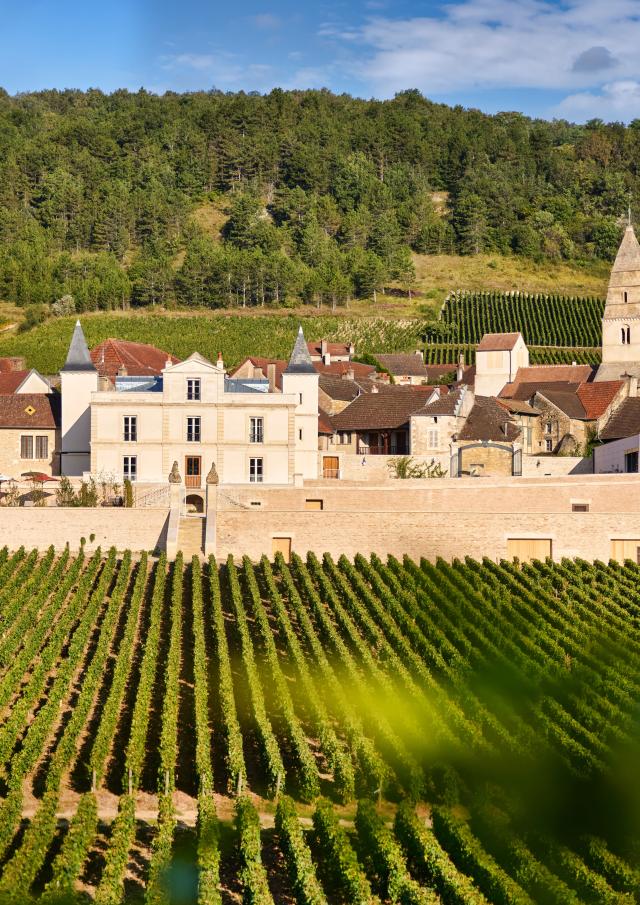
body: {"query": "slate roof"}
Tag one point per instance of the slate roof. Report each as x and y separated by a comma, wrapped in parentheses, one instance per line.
(625, 421)
(139, 359)
(498, 342)
(400, 364)
(379, 411)
(300, 360)
(78, 358)
(488, 420)
(30, 410)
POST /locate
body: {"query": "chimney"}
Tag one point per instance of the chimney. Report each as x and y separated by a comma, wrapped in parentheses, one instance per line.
(17, 363)
(271, 375)
(326, 358)
(104, 384)
(460, 368)
(168, 363)
(374, 389)
(323, 348)
(352, 350)
(258, 374)
(349, 374)
(419, 353)
(122, 371)
(633, 386)
(220, 362)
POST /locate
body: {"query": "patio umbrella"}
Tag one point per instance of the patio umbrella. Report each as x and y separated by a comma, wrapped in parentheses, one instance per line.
(38, 476)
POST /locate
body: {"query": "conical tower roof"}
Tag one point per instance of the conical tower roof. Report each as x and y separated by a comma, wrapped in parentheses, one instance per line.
(300, 361)
(78, 358)
(628, 257)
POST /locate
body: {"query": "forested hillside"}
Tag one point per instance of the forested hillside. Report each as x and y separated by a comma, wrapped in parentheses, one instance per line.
(232, 199)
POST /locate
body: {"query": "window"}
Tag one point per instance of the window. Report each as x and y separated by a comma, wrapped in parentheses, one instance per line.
(130, 467)
(314, 505)
(300, 434)
(548, 428)
(579, 507)
(344, 438)
(300, 398)
(26, 447)
(433, 438)
(255, 471)
(193, 430)
(626, 298)
(548, 445)
(130, 428)
(193, 389)
(42, 447)
(630, 462)
(256, 430)
(625, 335)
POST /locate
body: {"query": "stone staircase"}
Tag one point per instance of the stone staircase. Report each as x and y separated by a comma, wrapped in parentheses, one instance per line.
(191, 537)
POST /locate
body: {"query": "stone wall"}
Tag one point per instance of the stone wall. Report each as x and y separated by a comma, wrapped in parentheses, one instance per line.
(467, 517)
(555, 466)
(125, 529)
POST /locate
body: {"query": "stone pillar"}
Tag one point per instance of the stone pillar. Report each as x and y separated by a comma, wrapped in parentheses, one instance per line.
(211, 504)
(175, 509)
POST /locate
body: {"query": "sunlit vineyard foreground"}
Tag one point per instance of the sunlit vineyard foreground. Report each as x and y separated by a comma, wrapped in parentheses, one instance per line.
(319, 732)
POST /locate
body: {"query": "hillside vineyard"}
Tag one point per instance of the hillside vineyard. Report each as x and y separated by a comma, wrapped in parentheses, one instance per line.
(182, 718)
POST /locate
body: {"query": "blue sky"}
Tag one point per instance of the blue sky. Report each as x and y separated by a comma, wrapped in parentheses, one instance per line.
(576, 59)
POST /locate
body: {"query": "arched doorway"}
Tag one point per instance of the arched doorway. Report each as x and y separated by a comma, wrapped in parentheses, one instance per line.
(194, 504)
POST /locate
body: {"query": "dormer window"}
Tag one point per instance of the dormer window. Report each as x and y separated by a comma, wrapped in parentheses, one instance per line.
(193, 389)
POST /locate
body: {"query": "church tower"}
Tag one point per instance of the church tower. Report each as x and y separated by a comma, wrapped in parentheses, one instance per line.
(621, 320)
(300, 379)
(78, 380)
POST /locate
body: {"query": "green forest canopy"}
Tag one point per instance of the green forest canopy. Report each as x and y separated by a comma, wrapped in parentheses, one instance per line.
(323, 197)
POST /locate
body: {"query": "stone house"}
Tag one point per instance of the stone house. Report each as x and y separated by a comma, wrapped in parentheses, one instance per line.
(498, 358)
(326, 352)
(437, 424)
(29, 433)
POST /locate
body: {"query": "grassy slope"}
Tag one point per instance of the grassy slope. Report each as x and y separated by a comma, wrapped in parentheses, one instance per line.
(236, 336)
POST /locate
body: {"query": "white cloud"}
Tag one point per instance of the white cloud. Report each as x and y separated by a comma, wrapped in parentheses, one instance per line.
(200, 61)
(614, 101)
(497, 44)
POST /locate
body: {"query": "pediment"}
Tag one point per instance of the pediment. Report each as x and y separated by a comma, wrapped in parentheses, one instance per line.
(195, 363)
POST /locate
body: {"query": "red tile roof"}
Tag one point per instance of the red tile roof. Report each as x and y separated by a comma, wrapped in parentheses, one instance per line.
(537, 374)
(139, 359)
(11, 380)
(498, 342)
(325, 424)
(335, 369)
(315, 348)
(28, 410)
(597, 397)
(12, 363)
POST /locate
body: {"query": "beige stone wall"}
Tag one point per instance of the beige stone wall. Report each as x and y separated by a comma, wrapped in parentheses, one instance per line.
(467, 517)
(555, 466)
(486, 460)
(10, 462)
(125, 529)
(474, 517)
